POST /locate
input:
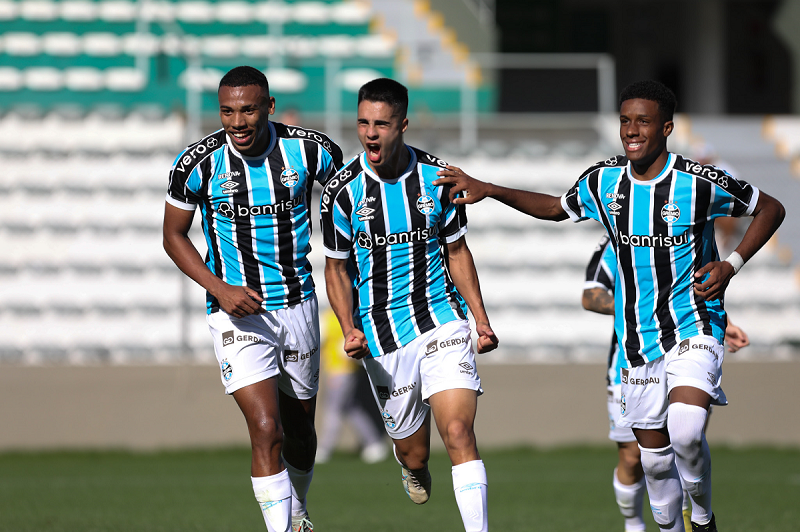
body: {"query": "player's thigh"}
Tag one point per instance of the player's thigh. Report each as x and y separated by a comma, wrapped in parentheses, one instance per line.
(246, 348)
(694, 372)
(396, 386)
(454, 411)
(448, 360)
(299, 349)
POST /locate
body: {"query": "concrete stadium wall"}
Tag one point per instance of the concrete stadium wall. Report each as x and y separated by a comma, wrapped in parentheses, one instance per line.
(157, 407)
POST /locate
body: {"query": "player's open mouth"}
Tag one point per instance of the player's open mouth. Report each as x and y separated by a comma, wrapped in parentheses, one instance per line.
(634, 146)
(242, 137)
(373, 152)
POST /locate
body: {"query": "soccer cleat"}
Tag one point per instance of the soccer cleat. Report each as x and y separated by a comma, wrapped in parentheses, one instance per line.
(687, 519)
(417, 484)
(711, 526)
(302, 524)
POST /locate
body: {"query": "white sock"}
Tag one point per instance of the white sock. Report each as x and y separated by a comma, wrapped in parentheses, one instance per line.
(274, 494)
(630, 499)
(469, 484)
(685, 425)
(663, 487)
(685, 506)
(301, 481)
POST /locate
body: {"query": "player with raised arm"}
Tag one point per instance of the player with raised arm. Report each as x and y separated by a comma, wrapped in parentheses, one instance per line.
(628, 479)
(398, 273)
(252, 180)
(658, 209)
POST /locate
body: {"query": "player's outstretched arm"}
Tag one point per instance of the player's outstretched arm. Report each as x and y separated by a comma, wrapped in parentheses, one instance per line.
(767, 217)
(462, 270)
(542, 206)
(598, 300)
(735, 337)
(340, 296)
(237, 301)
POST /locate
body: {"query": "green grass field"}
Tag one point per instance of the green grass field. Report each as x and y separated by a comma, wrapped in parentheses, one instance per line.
(555, 490)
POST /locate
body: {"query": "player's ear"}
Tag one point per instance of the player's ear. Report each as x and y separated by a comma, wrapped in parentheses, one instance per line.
(669, 125)
(271, 104)
(404, 125)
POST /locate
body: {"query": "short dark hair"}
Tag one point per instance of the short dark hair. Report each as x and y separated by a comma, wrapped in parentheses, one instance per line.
(387, 91)
(242, 76)
(655, 92)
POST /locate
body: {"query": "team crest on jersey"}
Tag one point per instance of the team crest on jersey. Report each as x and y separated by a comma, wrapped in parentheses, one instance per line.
(226, 210)
(425, 204)
(670, 213)
(227, 370)
(388, 419)
(289, 177)
(622, 405)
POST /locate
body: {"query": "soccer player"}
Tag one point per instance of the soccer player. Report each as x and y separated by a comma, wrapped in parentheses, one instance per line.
(252, 180)
(628, 480)
(399, 273)
(658, 210)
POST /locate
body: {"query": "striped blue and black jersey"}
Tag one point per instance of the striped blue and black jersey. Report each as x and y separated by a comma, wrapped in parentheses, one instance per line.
(601, 272)
(255, 210)
(662, 232)
(395, 233)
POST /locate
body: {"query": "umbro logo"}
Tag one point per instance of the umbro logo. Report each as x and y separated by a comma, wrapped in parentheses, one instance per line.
(467, 366)
(613, 208)
(229, 187)
(365, 213)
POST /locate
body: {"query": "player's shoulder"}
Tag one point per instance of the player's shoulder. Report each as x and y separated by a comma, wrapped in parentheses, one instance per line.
(426, 159)
(616, 161)
(195, 153)
(297, 132)
(349, 172)
(708, 172)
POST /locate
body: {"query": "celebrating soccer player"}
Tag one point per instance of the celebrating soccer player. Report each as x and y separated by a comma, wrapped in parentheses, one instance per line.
(658, 209)
(252, 180)
(398, 273)
(628, 479)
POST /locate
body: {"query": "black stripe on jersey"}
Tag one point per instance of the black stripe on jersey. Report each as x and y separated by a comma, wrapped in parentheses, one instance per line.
(331, 196)
(312, 161)
(702, 200)
(611, 351)
(206, 172)
(285, 229)
(419, 256)
(594, 270)
(450, 229)
(242, 226)
(380, 272)
(662, 261)
(633, 346)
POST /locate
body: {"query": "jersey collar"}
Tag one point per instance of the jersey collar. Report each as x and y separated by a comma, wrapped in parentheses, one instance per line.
(660, 177)
(412, 162)
(273, 140)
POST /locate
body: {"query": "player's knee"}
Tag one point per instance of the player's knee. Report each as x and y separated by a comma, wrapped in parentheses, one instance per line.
(685, 424)
(657, 463)
(631, 463)
(459, 435)
(266, 431)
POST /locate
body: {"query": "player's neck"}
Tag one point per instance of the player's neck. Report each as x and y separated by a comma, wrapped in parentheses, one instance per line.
(396, 165)
(648, 170)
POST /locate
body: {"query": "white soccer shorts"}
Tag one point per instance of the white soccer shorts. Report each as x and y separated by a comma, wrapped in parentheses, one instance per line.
(403, 381)
(695, 362)
(283, 343)
(615, 432)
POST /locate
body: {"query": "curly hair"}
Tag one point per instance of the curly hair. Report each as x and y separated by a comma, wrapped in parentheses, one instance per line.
(655, 92)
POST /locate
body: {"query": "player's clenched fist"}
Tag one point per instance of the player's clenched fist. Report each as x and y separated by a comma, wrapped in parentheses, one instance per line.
(355, 344)
(487, 340)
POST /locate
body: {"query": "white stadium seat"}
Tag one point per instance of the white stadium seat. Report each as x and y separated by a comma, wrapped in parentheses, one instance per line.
(297, 46)
(101, 44)
(350, 13)
(259, 46)
(43, 78)
(83, 79)
(39, 10)
(158, 11)
(118, 11)
(234, 12)
(61, 44)
(79, 10)
(220, 46)
(8, 10)
(353, 78)
(311, 12)
(195, 12)
(273, 12)
(125, 79)
(336, 46)
(140, 43)
(21, 44)
(11, 79)
(378, 46)
(206, 79)
(286, 80)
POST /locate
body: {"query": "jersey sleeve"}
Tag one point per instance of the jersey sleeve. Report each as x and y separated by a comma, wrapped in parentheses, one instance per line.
(601, 272)
(453, 223)
(579, 203)
(184, 184)
(337, 230)
(733, 197)
(330, 161)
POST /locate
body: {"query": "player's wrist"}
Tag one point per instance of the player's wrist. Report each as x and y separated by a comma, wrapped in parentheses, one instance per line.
(735, 260)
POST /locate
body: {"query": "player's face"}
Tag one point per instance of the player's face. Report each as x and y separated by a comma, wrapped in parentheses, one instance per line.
(244, 112)
(380, 131)
(643, 131)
